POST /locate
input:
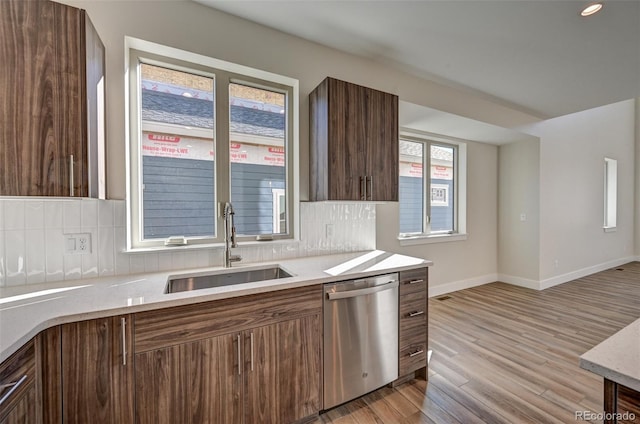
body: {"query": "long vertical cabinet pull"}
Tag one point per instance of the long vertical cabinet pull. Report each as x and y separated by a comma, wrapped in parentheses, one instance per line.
(370, 191)
(252, 351)
(71, 178)
(123, 329)
(363, 188)
(239, 357)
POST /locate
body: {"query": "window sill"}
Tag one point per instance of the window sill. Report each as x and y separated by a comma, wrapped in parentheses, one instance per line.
(203, 246)
(609, 229)
(435, 238)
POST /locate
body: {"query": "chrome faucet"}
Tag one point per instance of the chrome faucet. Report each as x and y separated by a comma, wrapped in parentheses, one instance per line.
(229, 236)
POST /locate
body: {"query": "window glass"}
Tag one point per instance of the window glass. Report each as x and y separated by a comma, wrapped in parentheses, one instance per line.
(177, 153)
(427, 201)
(442, 187)
(257, 150)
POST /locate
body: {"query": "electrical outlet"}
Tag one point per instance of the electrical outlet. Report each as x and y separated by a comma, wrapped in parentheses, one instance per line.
(329, 230)
(77, 243)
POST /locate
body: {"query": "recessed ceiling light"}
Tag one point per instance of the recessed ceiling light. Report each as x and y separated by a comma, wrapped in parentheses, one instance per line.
(592, 9)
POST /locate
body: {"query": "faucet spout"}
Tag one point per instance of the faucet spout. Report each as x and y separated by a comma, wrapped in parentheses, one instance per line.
(229, 236)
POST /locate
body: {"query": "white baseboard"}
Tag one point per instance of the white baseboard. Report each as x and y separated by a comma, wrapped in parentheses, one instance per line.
(519, 281)
(559, 279)
(441, 289)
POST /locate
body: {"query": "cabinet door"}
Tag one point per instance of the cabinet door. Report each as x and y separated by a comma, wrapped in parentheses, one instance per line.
(197, 382)
(24, 412)
(382, 146)
(40, 87)
(282, 382)
(97, 371)
(346, 138)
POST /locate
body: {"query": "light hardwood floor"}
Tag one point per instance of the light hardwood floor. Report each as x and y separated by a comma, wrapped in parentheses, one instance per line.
(505, 354)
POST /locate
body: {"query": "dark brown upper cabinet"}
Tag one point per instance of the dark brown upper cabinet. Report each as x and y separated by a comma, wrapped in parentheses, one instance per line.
(353, 143)
(52, 91)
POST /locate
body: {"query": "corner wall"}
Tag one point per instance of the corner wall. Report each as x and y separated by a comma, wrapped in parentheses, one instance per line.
(572, 151)
(519, 213)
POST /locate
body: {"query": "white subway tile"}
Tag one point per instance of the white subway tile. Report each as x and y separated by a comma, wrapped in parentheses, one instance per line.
(2, 269)
(34, 214)
(14, 214)
(106, 252)
(89, 213)
(71, 214)
(215, 257)
(121, 259)
(105, 214)
(54, 254)
(191, 259)
(151, 262)
(35, 256)
(164, 261)
(90, 265)
(136, 263)
(15, 254)
(2, 202)
(53, 211)
(178, 260)
(119, 213)
(72, 267)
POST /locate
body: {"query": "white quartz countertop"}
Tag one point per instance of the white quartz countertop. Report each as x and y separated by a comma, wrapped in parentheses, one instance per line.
(617, 358)
(27, 310)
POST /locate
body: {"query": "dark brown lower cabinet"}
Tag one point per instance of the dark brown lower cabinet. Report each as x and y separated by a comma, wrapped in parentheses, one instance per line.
(97, 371)
(621, 404)
(414, 322)
(282, 383)
(18, 387)
(197, 382)
(264, 375)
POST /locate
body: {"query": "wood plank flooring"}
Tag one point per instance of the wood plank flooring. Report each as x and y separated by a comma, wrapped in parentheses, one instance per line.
(505, 354)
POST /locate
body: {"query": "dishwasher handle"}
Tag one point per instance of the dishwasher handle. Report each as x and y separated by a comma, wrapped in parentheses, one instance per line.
(362, 292)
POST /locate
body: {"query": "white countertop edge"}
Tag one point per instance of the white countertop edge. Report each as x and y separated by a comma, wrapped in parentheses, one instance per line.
(182, 298)
(617, 358)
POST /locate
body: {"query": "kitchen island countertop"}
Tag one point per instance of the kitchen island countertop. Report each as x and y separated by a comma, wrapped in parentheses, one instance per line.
(26, 310)
(617, 358)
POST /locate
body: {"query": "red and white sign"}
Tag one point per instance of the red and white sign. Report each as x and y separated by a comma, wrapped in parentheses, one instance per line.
(180, 147)
(414, 169)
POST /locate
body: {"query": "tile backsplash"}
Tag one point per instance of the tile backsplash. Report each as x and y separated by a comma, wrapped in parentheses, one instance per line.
(32, 240)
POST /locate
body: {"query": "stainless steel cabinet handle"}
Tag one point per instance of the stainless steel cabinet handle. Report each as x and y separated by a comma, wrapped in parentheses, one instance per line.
(416, 353)
(416, 313)
(362, 292)
(14, 386)
(370, 177)
(123, 329)
(239, 357)
(71, 179)
(251, 351)
(363, 188)
(414, 282)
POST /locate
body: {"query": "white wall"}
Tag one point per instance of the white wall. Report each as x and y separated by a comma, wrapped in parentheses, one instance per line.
(457, 264)
(519, 194)
(572, 152)
(193, 27)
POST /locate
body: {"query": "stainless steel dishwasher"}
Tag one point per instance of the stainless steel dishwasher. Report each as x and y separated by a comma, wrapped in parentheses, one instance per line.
(360, 337)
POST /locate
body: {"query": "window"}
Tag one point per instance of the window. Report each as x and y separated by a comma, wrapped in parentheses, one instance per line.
(204, 132)
(430, 202)
(610, 193)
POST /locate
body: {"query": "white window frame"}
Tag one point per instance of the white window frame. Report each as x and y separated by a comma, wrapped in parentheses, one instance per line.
(148, 52)
(610, 194)
(277, 193)
(459, 189)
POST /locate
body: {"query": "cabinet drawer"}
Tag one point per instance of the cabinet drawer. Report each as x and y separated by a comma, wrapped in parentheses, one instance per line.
(413, 281)
(182, 324)
(17, 374)
(413, 357)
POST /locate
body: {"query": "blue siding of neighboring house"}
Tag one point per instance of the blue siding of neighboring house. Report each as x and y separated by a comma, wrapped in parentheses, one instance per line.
(178, 197)
(252, 196)
(411, 207)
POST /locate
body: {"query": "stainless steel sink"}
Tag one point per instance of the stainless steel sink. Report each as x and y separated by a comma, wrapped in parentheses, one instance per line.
(225, 278)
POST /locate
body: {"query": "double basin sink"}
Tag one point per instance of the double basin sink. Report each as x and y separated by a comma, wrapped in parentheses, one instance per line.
(225, 278)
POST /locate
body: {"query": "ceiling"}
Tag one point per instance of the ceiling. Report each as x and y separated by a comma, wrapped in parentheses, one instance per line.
(537, 56)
